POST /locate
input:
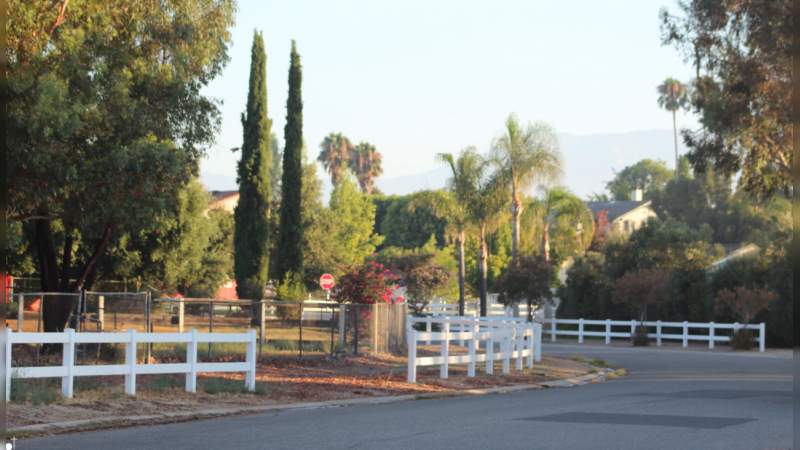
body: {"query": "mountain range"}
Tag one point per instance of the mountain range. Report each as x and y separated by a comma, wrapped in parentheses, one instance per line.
(590, 161)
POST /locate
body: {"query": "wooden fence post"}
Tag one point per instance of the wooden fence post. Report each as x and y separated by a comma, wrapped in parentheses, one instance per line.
(21, 313)
(68, 363)
(101, 312)
(181, 309)
(342, 314)
(130, 361)
(191, 361)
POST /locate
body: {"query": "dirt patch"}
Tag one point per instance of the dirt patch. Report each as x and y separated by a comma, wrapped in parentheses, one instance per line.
(279, 381)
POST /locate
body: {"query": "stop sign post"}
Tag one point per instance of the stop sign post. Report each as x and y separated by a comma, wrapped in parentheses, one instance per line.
(326, 282)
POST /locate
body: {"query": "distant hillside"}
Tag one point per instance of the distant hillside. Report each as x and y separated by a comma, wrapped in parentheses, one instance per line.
(589, 162)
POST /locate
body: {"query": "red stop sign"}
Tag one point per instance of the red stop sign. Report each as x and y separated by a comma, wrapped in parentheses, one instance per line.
(326, 281)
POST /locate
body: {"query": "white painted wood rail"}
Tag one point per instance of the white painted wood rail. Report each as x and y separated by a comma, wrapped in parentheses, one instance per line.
(68, 370)
(679, 331)
(515, 337)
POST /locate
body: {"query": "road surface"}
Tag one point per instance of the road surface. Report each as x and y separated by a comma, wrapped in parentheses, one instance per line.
(672, 399)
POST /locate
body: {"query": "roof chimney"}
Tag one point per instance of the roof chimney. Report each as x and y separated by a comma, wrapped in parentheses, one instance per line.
(637, 194)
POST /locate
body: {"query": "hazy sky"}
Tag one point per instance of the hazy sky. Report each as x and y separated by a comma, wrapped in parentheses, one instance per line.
(420, 77)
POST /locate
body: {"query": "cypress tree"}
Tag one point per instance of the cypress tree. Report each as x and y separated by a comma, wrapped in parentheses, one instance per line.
(251, 233)
(290, 238)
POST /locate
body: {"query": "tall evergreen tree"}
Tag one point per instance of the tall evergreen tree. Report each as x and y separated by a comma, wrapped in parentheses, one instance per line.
(251, 235)
(290, 238)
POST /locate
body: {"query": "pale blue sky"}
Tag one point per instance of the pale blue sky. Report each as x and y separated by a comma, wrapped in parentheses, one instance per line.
(420, 77)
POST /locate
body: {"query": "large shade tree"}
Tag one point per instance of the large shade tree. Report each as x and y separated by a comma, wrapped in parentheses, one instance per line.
(673, 96)
(742, 53)
(335, 153)
(648, 175)
(526, 155)
(105, 108)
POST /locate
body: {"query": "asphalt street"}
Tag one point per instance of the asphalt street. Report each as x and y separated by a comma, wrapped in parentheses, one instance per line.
(671, 399)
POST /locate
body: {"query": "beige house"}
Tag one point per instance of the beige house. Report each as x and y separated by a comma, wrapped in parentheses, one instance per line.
(224, 200)
(622, 216)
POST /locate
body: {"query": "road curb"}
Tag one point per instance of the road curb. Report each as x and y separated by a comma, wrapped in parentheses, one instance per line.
(185, 416)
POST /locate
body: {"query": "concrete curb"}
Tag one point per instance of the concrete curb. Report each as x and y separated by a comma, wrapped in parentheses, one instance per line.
(185, 416)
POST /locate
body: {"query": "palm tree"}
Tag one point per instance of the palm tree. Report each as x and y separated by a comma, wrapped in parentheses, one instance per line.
(487, 197)
(335, 155)
(525, 155)
(560, 206)
(365, 161)
(672, 96)
(466, 170)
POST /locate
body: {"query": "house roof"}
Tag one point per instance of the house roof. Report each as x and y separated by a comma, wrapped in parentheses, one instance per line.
(615, 209)
(221, 195)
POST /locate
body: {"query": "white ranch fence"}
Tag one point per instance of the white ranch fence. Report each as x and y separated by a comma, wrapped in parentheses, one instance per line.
(517, 339)
(473, 309)
(68, 370)
(657, 330)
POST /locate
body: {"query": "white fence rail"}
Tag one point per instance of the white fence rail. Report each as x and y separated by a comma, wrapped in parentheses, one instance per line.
(473, 309)
(657, 330)
(68, 370)
(516, 338)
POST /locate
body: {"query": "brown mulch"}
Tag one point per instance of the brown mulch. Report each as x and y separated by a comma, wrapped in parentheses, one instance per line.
(279, 381)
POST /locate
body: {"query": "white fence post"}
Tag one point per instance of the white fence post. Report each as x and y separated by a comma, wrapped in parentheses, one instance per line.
(130, 360)
(658, 333)
(506, 349)
(21, 313)
(553, 329)
(685, 334)
(250, 378)
(473, 344)
(608, 331)
(711, 336)
(580, 331)
(762, 336)
(519, 344)
(411, 337)
(191, 361)
(428, 328)
(7, 357)
(490, 351)
(538, 343)
(68, 361)
(445, 350)
(633, 328)
(530, 331)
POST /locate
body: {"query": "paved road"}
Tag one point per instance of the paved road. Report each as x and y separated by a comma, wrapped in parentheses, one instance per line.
(672, 399)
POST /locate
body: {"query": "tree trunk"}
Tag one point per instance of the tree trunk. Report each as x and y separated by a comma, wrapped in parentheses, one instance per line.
(461, 273)
(546, 241)
(516, 213)
(675, 139)
(483, 270)
(57, 308)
